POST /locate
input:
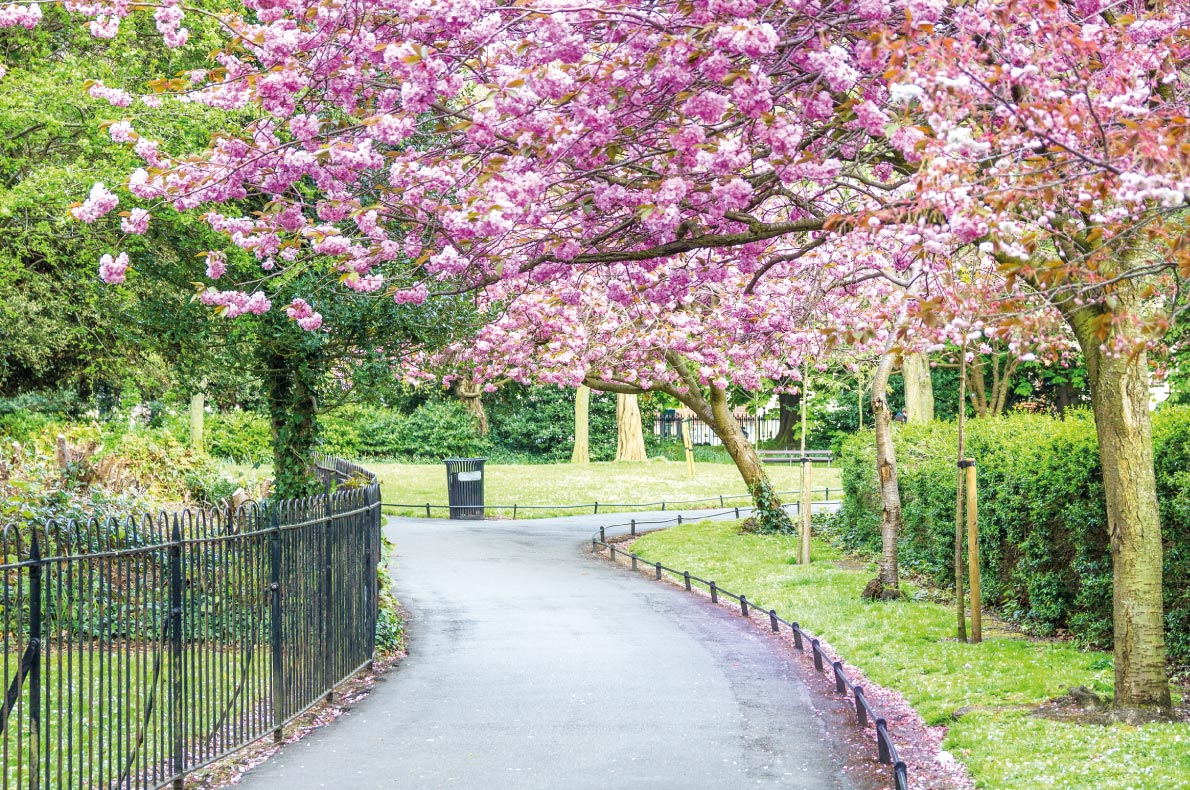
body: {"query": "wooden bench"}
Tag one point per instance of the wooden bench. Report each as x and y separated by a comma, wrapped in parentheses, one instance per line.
(795, 456)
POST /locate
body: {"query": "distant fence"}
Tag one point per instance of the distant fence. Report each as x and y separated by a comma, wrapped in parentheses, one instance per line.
(865, 715)
(826, 504)
(136, 651)
(757, 429)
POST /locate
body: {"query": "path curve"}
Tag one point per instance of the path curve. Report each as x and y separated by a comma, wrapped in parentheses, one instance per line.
(533, 665)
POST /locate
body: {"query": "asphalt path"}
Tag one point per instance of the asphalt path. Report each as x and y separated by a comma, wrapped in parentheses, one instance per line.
(534, 665)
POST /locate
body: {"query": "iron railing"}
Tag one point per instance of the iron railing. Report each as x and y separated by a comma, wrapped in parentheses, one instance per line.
(595, 507)
(137, 651)
(865, 715)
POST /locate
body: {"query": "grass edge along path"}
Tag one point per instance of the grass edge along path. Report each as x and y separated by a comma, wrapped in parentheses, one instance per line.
(908, 647)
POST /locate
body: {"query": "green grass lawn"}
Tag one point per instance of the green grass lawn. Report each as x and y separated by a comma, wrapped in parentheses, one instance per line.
(910, 647)
(561, 484)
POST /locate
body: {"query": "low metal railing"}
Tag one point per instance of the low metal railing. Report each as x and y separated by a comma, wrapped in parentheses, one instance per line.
(886, 749)
(136, 651)
(595, 507)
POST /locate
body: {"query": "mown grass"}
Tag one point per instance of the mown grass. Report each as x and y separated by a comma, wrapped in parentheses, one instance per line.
(561, 484)
(910, 647)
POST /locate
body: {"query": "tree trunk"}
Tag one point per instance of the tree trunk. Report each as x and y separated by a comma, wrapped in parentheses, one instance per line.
(787, 405)
(197, 405)
(919, 387)
(1120, 400)
(769, 513)
(630, 437)
(471, 395)
(1065, 397)
(292, 378)
(979, 390)
(886, 585)
(582, 426)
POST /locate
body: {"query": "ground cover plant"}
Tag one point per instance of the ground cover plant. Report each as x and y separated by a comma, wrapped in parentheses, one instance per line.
(984, 694)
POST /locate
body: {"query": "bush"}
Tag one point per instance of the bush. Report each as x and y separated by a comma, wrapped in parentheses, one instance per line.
(1045, 554)
(241, 436)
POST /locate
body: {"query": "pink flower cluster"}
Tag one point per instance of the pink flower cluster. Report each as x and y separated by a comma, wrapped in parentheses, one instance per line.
(112, 270)
(169, 20)
(137, 222)
(236, 303)
(113, 96)
(97, 204)
(20, 15)
(305, 315)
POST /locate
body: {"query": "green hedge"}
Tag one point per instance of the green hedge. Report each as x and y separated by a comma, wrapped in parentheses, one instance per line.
(435, 430)
(1043, 523)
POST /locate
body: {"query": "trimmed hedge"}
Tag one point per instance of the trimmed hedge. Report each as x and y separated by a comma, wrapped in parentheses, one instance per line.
(1043, 522)
(435, 430)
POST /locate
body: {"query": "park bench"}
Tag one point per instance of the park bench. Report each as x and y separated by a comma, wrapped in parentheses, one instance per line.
(795, 456)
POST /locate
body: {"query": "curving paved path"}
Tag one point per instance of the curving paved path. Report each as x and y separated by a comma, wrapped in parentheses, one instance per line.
(533, 666)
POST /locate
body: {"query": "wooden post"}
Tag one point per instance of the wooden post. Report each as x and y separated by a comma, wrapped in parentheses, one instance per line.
(973, 551)
(807, 473)
(689, 449)
(806, 508)
(960, 608)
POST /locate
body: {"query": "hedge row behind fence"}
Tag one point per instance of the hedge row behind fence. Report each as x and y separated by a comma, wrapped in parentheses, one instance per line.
(1042, 518)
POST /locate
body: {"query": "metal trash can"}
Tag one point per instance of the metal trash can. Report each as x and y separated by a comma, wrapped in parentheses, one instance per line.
(464, 487)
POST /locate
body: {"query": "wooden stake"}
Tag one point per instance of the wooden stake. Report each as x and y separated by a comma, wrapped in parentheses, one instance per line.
(973, 552)
(689, 449)
(806, 508)
(960, 608)
(807, 474)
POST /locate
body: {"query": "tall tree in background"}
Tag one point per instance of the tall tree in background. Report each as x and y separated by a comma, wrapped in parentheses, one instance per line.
(630, 436)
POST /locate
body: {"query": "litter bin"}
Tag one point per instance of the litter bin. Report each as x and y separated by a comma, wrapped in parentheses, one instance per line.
(464, 487)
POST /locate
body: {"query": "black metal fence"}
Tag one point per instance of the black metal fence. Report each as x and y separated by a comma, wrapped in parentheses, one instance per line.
(865, 716)
(608, 507)
(136, 651)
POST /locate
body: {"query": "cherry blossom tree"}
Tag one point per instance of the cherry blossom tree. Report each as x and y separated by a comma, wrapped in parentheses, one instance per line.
(403, 149)
(1054, 142)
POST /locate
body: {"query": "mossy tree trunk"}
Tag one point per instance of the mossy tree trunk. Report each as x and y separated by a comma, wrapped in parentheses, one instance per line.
(1120, 399)
(630, 436)
(471, 395)
(887, 583)
(293, 378)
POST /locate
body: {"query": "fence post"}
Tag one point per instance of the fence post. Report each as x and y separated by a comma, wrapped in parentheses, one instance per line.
(612, 547)
(885, 754)
(679, 519)
(597, 508)
(514, 510)
(35, 572)
(686, 575)
(737, 512)
(744, 605)
(714, 593)
(634, 527)
(428, 510)
(278, 673)
(659, 571)
(328, 666)
(973, 553)
(861, 715)
(797, 636)
(634, 561)
(603, 534)
(817, 651)
(773, 621)
(175, 647)
(840, 686)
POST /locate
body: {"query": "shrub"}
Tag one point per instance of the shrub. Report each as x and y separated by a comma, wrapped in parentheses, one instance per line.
(241, 436)
(1043, 523)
